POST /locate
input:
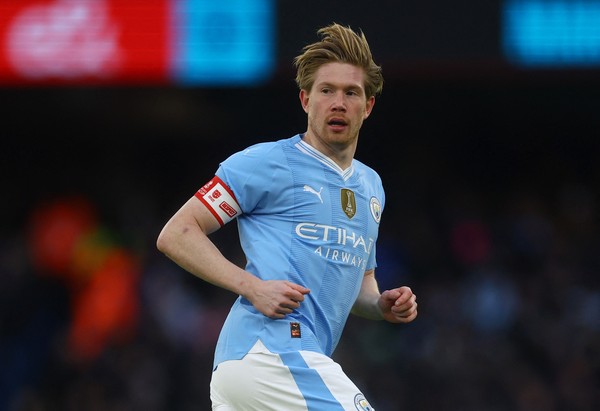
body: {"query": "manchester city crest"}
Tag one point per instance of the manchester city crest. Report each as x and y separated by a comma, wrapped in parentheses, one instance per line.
(361, 403)
(376, 210)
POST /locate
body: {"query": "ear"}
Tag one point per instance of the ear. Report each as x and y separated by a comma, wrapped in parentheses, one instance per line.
(369, 106)
(304, 100)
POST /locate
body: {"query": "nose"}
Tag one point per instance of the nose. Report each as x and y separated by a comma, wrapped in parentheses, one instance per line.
(339, 101)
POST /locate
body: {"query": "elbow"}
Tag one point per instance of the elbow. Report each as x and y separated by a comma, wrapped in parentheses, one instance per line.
(162, 242)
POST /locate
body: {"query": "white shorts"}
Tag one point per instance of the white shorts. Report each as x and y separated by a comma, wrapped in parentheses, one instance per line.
(298, 381)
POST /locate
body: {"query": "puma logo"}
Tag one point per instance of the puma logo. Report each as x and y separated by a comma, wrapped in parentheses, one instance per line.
(313, 191)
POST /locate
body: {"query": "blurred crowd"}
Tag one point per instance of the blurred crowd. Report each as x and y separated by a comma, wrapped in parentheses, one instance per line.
(93, 318)
(492, 217)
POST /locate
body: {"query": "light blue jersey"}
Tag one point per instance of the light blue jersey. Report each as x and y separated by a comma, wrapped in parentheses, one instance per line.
(305, 220)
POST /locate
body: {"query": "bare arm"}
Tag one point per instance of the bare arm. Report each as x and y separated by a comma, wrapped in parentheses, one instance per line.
(184, 239)
(397, 305)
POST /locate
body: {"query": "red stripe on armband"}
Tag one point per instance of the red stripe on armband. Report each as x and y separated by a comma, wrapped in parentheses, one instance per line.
(220, 200)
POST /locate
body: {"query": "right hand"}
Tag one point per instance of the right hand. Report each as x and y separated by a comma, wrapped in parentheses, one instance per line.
(276, 298)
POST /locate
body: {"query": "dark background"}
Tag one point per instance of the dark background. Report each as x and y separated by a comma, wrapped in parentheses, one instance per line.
(492, 184)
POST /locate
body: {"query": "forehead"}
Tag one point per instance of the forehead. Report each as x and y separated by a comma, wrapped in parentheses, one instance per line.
(340, 74)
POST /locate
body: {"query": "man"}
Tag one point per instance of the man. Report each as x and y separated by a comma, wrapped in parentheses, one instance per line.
(308, 215)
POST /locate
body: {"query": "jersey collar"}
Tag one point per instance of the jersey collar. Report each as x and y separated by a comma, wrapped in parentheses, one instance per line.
(313, 152)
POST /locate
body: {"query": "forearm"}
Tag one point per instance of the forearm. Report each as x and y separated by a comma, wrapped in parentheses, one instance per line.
(367, 302)
(185, 242)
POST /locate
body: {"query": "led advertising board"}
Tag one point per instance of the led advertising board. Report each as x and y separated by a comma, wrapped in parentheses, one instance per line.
(552, 33)
(190, 42)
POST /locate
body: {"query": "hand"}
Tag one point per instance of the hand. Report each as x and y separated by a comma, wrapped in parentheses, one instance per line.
(398, 305)
(276, 298)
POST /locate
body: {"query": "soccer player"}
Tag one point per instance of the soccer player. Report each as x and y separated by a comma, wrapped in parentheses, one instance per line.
(308, 216)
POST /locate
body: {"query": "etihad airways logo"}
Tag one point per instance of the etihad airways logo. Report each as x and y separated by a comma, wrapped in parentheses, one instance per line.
(336, 235)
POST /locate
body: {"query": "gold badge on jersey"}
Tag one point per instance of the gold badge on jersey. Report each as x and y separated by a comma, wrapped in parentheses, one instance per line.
(348, 202)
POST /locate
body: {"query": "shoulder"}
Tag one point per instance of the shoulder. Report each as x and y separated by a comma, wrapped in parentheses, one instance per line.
(261, 152)
(253, 172)
(371, 182)
(365, 172)
(255, 165)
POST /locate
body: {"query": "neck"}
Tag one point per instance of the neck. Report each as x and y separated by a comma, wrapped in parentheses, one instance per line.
(341, 153)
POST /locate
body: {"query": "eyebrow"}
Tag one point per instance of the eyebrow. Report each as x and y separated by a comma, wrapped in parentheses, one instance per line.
(352, 86)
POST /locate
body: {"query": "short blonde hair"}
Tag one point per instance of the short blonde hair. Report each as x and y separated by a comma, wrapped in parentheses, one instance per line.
(338, 44)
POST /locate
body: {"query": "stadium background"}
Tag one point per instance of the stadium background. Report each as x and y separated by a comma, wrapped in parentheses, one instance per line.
(492, 182)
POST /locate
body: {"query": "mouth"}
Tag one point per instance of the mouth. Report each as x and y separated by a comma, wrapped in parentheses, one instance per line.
(337, 123)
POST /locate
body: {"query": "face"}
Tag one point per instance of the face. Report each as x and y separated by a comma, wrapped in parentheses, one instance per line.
(336, 107)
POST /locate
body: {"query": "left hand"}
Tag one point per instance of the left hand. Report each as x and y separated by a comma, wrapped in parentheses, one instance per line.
(398, 305)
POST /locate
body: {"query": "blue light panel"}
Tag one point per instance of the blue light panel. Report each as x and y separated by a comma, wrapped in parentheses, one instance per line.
(223, 42)
(552, 33)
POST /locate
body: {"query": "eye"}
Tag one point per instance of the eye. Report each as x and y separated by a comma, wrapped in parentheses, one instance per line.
(326, 90)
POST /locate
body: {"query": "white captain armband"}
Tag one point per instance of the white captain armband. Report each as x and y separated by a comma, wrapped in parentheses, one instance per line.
(219, 200)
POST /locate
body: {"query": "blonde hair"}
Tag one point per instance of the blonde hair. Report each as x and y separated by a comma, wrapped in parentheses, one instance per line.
(343, 45)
